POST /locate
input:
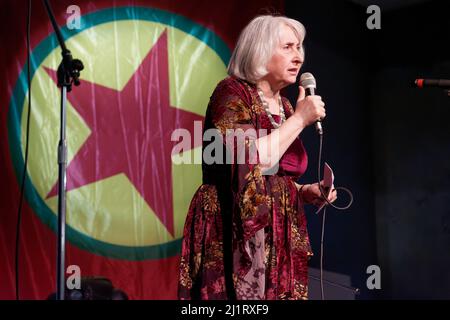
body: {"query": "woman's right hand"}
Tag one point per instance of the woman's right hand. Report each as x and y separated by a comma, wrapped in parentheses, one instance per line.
(309, 109)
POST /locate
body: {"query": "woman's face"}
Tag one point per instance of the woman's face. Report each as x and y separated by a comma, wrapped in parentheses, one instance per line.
(287, 60)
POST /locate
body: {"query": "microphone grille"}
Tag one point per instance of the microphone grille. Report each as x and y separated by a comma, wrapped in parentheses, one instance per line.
(307, 80)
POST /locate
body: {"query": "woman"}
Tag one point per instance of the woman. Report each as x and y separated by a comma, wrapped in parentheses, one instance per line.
(245, 234)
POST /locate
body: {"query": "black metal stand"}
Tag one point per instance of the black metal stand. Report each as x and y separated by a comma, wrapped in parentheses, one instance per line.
(68, 73)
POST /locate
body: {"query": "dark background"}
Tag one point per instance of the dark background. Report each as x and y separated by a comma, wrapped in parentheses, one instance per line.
(386, 141)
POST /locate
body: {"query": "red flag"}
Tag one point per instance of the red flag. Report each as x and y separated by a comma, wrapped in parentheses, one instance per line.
(150, 67)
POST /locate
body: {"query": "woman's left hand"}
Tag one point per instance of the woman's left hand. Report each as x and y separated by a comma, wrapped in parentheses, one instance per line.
(311, 194)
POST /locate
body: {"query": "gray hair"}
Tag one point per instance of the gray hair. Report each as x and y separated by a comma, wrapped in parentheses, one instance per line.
(257, 43)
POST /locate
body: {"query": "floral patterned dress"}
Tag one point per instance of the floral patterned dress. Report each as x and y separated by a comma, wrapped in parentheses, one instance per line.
(245, 234)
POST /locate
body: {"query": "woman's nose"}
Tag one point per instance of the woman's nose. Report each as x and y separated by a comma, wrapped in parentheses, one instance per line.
(297, 60)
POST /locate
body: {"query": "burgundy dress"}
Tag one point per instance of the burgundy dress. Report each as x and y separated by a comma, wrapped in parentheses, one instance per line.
(245, 234)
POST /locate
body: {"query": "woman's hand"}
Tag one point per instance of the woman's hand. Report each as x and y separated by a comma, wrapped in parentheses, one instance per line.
(309, 109)
(311, 194)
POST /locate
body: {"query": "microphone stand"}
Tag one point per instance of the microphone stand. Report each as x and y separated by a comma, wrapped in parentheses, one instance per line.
(68, 73)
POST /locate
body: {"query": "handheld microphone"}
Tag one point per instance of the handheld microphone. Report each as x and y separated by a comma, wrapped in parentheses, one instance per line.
(308, 82)
(438, 83)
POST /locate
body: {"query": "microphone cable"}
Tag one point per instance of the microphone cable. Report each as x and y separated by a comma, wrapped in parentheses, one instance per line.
(324, 197)
(22, 185)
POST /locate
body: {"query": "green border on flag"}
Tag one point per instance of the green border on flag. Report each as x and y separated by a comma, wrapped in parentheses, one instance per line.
(44, 48)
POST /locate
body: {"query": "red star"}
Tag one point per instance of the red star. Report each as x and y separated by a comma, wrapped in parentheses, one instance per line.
(131, 132)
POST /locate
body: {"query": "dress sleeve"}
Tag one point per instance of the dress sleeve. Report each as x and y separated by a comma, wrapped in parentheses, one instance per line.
(231, 113)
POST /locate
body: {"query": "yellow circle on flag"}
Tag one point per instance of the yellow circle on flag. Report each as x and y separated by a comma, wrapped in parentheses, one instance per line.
(111, 211)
